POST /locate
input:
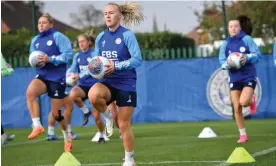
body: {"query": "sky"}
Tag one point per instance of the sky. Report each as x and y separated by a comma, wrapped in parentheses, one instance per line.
(178, 15)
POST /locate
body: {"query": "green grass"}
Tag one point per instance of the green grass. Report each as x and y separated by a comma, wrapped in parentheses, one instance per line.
(153, 143)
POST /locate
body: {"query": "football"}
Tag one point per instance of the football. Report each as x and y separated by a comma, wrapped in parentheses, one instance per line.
(235, 57)
(33, 59)
(96, 66)
(70, 80)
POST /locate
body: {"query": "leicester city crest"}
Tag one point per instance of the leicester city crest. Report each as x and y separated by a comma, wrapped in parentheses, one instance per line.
(218, 94)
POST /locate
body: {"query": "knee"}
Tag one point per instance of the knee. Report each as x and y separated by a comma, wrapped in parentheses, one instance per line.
(123, 125)
(237, 110)
(94, 97)
(72, 96)
(236, 106)
(30, 94)
(57, 115)
(244, 103)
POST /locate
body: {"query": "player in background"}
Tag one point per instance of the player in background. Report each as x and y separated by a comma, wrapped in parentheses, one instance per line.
(120, 46)
(6, 70)
(51, 77)
(68, 106)
(79, 92)
(242, 81)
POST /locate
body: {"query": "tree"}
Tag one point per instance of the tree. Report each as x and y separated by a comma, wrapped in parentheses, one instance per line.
(39, 5)
(261, 14)
(211, 20)
(87, 17)
(155, 26)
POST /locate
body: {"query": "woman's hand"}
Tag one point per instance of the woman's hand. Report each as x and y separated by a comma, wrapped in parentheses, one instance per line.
(75, 78)
(110, 68)
(43, 59)
(243, 59)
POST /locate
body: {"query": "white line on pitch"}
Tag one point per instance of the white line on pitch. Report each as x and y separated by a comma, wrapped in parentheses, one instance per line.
(137, 138)
(146, 163)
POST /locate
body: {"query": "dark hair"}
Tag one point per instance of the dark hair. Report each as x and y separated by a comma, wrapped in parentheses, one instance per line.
(89, 38)
(245, 24)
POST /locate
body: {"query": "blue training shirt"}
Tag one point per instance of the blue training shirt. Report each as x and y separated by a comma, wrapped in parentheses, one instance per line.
(58, 48)
(274, 52)
(244, 44)
(79, 65)
(123, 49)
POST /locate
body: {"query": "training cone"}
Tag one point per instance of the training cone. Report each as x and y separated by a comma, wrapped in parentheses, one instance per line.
(67, 159)
(240, 155)
(207, 132)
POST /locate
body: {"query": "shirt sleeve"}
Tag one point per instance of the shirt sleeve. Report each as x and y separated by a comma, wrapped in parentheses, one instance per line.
(64, 45)
(134, 50)
(255, 53)
(96, 51)
(74, 66)
(32, 47)
(222, 56)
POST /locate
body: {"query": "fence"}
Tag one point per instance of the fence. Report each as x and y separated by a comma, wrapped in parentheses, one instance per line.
(167, 91)
(149, 54)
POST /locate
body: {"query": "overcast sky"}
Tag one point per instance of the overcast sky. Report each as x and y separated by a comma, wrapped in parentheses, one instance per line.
(178, 15)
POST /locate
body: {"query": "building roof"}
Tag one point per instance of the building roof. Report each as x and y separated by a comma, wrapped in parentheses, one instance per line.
(198, 35)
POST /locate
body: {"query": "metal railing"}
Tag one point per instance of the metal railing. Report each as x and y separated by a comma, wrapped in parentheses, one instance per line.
(148, 55)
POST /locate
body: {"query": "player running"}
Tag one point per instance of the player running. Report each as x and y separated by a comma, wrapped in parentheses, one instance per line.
(242, 81)
(120, 46)
(51, 77)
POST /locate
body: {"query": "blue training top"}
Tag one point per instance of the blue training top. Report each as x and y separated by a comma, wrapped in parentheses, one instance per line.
(59, 50)
(121, 47)
(244, 44)
(79, 65)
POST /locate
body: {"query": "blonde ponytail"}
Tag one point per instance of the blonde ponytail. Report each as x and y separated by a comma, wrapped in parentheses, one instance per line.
(132, 13)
